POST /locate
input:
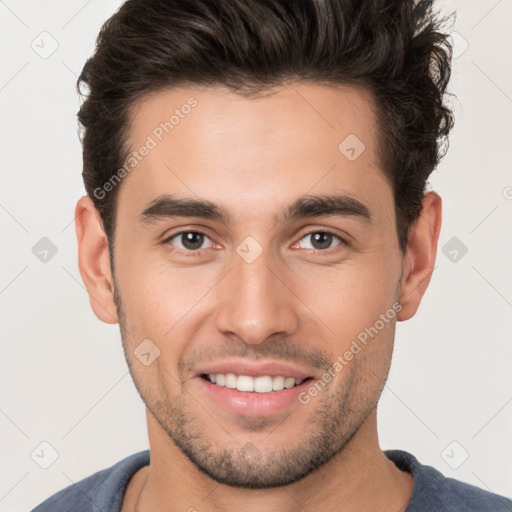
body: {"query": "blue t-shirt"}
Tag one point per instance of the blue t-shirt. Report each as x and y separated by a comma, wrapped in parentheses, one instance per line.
(432, 492)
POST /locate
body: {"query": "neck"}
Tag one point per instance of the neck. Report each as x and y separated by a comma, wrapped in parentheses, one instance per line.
(360, 477)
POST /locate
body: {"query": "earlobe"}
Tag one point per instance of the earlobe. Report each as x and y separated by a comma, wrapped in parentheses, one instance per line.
(421, 255)
(94, 262)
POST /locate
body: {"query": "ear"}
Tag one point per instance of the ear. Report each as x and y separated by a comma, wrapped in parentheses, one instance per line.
(420, 256)
(94, 262)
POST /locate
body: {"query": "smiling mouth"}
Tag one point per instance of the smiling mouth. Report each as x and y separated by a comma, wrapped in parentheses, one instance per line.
(246, 383)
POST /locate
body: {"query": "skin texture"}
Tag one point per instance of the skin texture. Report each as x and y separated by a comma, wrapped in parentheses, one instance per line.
(295, 302)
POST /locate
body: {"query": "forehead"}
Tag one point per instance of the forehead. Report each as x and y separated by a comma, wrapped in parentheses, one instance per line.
(256, 152)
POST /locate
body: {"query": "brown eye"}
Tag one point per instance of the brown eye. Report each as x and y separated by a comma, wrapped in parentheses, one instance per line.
(188, 241)
(321, 240)
(192, 240)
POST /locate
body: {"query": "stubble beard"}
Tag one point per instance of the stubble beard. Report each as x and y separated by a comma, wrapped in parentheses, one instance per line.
(336, 416)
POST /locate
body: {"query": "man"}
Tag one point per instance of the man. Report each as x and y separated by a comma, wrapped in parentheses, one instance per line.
(257, 223)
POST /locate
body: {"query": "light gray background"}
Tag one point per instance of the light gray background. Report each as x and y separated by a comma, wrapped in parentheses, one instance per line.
(64, 378)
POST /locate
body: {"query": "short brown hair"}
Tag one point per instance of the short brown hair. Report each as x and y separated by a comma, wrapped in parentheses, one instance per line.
(393, 48)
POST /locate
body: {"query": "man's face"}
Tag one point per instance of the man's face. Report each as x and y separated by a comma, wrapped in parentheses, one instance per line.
(257, 286)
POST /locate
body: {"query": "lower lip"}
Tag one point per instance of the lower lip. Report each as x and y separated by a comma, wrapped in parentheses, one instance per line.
(251, 403)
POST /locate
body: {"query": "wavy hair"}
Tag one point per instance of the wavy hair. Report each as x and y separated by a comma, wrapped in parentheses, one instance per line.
(393, 48)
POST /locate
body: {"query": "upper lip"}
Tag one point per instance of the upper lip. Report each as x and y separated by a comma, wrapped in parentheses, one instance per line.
(254, 369)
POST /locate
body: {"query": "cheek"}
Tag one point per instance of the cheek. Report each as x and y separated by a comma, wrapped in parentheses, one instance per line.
(159, 300)
(159, 308)
(349, 297)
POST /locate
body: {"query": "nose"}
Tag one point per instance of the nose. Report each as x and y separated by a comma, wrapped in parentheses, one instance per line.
(257, 302)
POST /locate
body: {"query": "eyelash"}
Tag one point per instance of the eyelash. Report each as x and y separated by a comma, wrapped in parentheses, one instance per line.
(343, 242)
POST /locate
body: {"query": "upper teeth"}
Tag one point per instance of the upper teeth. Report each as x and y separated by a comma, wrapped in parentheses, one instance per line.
(263, 384)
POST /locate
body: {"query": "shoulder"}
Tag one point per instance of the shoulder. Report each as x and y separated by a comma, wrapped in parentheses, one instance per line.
(434, 492)
(101, 492)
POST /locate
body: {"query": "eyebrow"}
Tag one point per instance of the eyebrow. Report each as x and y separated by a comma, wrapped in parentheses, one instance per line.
(168, 206)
